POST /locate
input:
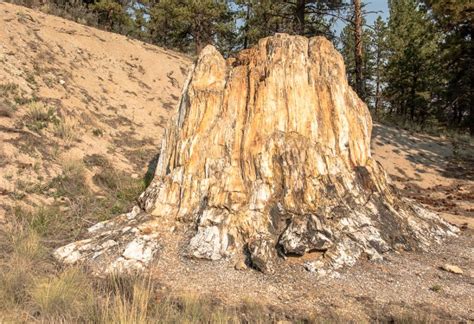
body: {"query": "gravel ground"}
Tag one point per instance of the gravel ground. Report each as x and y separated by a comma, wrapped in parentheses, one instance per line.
(405, 285)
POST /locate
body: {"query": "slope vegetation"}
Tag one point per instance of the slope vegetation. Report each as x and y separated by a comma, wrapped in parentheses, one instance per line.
(72, 93)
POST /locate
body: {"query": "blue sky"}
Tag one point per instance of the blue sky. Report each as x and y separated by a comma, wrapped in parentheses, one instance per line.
(378, 6)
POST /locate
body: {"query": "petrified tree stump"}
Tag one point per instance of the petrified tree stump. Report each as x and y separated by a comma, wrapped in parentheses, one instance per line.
(268, 154)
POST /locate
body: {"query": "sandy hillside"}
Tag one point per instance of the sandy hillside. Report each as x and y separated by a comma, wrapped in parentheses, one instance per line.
(69, 92)
(436, 171)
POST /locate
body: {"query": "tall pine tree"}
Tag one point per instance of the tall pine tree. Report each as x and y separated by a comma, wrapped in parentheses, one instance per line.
(411, 70)
(261, 18)
(378, 47)
(456, 20)
(348, 50)
(189, 25)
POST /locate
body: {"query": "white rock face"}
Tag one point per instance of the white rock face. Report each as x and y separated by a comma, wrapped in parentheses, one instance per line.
(269, 154)
(115, 245)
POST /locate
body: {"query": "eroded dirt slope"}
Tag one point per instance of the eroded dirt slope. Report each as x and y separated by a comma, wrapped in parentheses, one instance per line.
(70, 92)
(436, 171)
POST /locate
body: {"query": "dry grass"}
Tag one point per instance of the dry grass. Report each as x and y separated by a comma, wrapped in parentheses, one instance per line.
(68, 295)
(129, 300)
(66, 129)
(39, 115)
(9, 88)
(44, 221)
(34, 289)
(96, 160)
(6, 110)
(72, 181)
(22, 255)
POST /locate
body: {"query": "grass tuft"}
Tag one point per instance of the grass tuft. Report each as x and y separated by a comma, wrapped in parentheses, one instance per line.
(39, 115)
(130, 300)
(72, 181)
(66, 129)
(68, 295)
(6, 110)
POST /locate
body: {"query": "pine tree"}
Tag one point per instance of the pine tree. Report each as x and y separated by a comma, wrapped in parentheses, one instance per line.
(261, 18)
(411, 75)
(189, 25)
(378, 47)
(358, 47)
(348, 50)
(313, 17)
(112, 15)
(258, 18)
(456, 20)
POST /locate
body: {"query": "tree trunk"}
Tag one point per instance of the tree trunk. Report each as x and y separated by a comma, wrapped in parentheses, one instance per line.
(377, 96)
(377, 82)
(300, 16)
(260, 162)
(413, 96)
(198, 36)
(471, 112)
(470, 95)
(247, 26)
(358, 47)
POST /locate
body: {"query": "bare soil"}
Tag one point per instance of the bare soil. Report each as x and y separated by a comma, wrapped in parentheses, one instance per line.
(435, 171)
(109, 95)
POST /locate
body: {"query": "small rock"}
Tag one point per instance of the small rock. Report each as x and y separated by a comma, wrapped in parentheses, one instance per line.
(240, 265)
(64, 208)
(335, 275)
(62, 82)
(135, 176)
(452, 268)
(313, 266)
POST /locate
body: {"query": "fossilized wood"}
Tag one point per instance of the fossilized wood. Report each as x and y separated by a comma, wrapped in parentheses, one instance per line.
(269, 155)
(125, 243)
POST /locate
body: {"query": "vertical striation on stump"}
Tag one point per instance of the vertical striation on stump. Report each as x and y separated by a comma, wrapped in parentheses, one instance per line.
(269, 155)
